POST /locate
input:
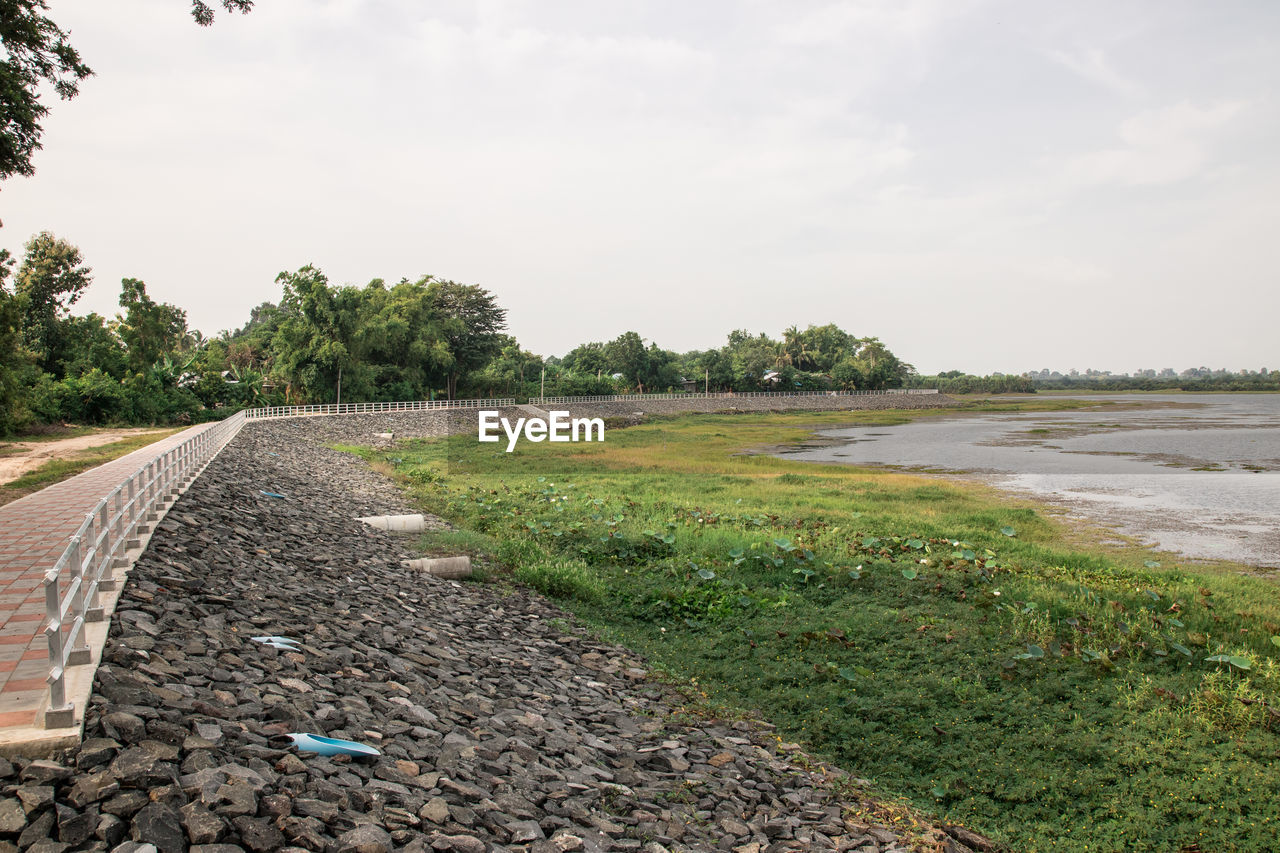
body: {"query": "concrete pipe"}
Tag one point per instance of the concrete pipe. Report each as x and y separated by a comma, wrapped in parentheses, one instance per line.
(443, 567)
(397, 523)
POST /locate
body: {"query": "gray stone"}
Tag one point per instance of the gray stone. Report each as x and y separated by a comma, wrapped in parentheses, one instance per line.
(12, 816)
(42, 772)
(436, 810)
(35, 797)
(91, 789)
(458, 844)
(160, 825)
(365, 839)
(202, 826)
(258, 834)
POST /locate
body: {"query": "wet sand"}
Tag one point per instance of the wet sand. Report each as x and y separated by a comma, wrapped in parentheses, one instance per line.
(1198, 475)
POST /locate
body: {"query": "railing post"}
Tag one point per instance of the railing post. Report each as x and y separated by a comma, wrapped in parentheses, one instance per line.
(78, 655)
(60, 714)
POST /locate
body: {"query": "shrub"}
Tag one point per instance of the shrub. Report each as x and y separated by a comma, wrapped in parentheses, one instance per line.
(564, 579)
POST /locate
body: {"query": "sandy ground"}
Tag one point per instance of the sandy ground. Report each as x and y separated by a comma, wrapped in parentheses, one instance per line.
(32, 454)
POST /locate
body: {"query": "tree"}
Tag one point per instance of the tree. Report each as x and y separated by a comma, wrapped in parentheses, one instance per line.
(470, 324)
(203, 12)
(149, 329)
(626, 354)
(880, 368)
(588, 358)
(750, 357)
(37, 52)
(11, 353)
(52, 277)
(313, 345)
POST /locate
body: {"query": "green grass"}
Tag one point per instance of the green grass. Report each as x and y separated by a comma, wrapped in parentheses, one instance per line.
(56, 470)
(961, 649)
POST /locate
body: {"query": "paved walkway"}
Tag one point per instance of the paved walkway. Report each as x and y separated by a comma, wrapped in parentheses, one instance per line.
(34, 531)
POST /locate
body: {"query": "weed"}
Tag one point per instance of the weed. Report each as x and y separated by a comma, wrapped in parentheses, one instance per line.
(563, 579)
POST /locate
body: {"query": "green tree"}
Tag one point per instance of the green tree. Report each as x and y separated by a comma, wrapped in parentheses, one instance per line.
(90, 344)
(203, 12)
(399, 341)
(751, 357)
(588, 358)
(148, 328)
(36, 52)
(881, 368)
(12, 355)
(470, 324)
(52, 277)
(313, 345)
(847, 375)
(627, 354)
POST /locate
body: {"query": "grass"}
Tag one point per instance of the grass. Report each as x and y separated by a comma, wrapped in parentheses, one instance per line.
(76, 462)
(963, 650)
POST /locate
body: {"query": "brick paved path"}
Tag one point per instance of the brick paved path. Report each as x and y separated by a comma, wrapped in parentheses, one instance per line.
(34, 531)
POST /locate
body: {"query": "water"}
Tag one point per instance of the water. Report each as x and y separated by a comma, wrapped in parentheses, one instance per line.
(1195, 474)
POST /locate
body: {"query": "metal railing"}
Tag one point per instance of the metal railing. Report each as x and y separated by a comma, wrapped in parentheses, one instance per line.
(367, 408)
(101, 544)
(725, 395)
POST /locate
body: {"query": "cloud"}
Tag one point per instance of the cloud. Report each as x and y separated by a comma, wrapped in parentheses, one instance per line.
(1092, 65)
(1162, 146)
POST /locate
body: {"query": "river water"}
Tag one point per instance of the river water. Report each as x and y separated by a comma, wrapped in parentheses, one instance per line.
(1198, 475)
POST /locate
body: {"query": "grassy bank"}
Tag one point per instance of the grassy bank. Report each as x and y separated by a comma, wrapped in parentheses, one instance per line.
(947, 643)
(75, 462)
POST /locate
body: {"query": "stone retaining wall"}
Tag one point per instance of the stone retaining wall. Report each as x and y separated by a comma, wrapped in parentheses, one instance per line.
(361, 429)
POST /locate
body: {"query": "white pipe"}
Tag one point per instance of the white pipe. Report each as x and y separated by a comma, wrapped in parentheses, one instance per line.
(443, 567)
(397, 523)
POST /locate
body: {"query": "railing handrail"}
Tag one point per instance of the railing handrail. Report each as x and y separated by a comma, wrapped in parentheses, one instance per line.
(373, 408)
(724, 395)
(100, 543)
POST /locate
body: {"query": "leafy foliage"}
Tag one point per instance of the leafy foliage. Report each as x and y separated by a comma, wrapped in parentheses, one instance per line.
(37, 52)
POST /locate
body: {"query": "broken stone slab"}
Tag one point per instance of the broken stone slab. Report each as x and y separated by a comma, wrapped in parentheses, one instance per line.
(443, 567)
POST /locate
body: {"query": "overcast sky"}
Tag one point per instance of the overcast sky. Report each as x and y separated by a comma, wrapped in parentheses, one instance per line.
(983, 185)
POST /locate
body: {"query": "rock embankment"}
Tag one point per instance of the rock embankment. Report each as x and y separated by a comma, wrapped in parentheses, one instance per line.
(363, 428)
(500, 728)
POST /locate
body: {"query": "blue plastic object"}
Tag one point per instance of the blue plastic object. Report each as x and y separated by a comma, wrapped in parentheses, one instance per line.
(322, 745)
(271, 494)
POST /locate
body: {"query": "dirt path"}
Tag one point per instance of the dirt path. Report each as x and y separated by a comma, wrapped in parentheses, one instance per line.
(30, 455)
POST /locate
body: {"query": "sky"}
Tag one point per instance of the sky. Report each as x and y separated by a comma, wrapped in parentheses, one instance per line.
(985, 186)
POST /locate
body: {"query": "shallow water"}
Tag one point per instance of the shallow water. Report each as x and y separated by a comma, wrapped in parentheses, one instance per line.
(1194, 474)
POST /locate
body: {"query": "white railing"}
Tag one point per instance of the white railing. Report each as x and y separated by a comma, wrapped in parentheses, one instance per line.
(366, 408)
(101, 544)
(724, 395)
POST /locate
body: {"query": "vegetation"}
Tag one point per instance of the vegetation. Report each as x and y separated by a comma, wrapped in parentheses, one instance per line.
(56, 470)
(325, 343)
(37, 51)
(956, 382)
(1192, 379)
(1196, 379)
(949, 644)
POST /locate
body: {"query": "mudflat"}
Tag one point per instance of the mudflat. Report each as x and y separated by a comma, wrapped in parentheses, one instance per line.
(1197, 474)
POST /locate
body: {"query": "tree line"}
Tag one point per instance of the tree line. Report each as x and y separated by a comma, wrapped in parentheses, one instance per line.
(425, 338)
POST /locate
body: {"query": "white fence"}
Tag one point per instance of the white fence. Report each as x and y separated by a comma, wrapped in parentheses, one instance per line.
(723, 395)
(367, 408)
(100, 544)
